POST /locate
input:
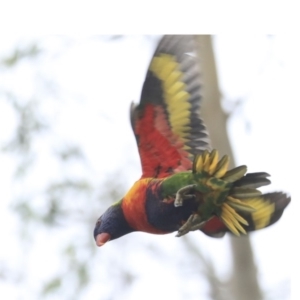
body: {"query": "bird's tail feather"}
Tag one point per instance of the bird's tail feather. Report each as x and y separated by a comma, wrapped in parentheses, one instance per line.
(244, 208)
(269, 207)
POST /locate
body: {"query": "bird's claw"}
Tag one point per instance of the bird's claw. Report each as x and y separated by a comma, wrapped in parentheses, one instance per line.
(184, 194)
(194, 222)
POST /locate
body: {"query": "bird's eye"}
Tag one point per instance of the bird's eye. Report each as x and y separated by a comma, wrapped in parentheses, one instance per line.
(98, 222)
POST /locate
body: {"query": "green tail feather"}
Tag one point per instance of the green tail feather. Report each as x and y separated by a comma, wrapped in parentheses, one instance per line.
(233, 196)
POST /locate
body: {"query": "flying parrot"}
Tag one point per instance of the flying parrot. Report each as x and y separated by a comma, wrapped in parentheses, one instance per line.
(184, 186)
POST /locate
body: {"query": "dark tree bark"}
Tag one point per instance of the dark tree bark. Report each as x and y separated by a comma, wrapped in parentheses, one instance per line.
(243, 282)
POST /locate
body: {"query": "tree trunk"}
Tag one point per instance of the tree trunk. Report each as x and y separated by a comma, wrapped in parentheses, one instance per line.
(243, 282)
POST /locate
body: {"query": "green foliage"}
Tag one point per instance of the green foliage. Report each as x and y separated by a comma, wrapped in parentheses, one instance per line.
(68, 152)
(52, 205)
(52, 285)
(29, 52)
(29, 124)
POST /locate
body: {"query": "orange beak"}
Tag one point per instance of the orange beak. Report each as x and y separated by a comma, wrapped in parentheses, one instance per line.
(102, 238)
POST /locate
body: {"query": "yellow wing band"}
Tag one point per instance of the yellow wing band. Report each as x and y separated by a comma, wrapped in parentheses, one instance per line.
(166, 68)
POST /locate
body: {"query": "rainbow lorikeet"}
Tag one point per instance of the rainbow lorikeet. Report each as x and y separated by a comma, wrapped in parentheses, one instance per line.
(184, 186)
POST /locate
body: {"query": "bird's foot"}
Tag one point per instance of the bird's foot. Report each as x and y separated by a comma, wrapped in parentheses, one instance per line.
(194, 222)
(184, 194)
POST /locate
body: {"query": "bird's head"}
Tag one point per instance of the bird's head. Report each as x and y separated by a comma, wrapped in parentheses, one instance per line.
(111, 225)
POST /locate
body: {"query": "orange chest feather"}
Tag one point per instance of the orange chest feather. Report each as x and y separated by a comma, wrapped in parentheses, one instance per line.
(134, 207)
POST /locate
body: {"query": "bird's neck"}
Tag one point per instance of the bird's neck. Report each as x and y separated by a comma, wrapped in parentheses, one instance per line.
(134, 205)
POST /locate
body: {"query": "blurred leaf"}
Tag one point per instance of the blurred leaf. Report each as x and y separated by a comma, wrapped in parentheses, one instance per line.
(29, 123)
(25, 211)
(31, 51)
(52, 285)
(68, 185)
(70, 152)
(70, 251)
(54, 212)
(82, 275)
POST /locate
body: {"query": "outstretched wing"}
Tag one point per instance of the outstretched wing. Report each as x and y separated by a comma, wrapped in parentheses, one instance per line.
(166, 122)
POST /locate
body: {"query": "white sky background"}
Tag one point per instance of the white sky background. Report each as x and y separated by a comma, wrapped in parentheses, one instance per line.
(99, 79)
